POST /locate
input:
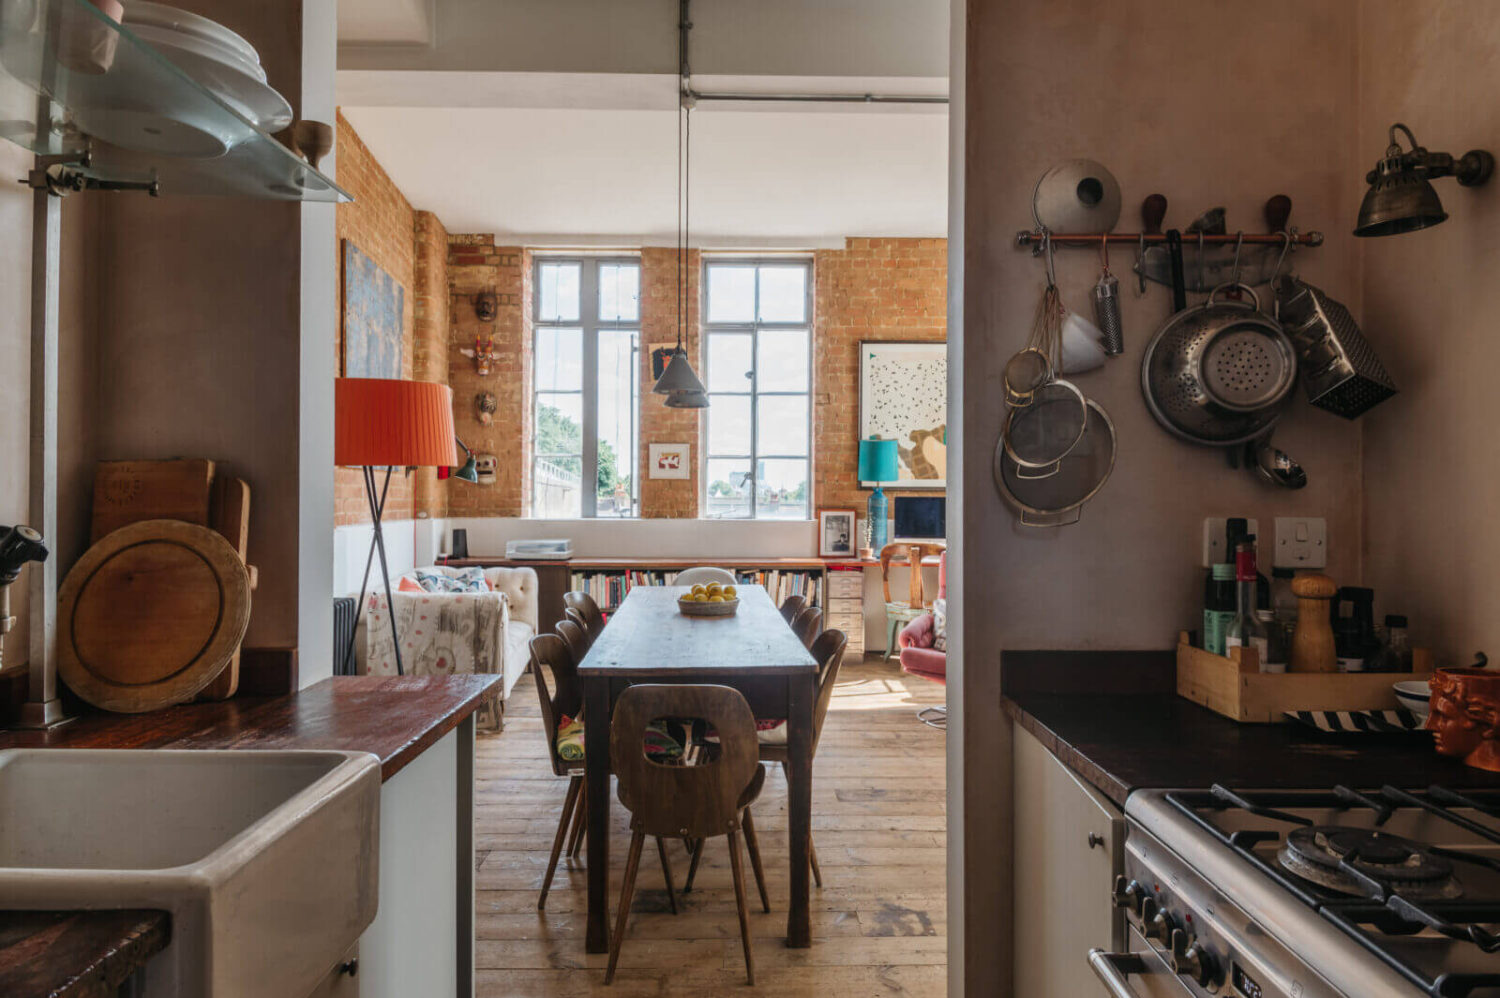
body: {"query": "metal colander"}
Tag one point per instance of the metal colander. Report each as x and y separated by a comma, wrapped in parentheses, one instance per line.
(1217, 373)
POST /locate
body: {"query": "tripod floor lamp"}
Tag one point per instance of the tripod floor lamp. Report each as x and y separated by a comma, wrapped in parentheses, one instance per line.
(391, 424)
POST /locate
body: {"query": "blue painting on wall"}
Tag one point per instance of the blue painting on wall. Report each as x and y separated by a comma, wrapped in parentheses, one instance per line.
(374, 316)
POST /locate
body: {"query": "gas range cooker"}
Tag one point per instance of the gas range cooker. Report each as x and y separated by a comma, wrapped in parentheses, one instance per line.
(1307, 894)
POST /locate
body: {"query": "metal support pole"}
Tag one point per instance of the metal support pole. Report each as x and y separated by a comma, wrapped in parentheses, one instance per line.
(42, 708)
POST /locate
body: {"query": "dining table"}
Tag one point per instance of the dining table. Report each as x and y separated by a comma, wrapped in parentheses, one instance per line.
(650, 640)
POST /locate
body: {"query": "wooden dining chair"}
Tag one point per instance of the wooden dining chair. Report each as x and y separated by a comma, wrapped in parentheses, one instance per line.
(577, 641)
(593, 617)
(808, 624)
(828, 652)
(700, 801)
(704, 574)
(791, 606)
(564, 700)
(899, 613)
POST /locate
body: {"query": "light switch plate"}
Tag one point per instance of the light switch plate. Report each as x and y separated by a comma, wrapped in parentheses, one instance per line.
(1301, 542)
(1213, 540)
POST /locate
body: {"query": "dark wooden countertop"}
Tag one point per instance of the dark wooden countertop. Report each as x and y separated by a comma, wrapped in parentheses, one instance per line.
(395, 717)
(76, 954)
(1121, 743)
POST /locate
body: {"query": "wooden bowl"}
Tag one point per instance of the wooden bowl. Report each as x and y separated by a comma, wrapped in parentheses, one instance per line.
(692, 608)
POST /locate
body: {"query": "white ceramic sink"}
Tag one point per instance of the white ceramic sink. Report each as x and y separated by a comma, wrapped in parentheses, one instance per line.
(267, 860)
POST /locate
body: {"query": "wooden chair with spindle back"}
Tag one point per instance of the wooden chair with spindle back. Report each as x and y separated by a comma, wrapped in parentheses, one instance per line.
(897, 613)
(577, 641)
(593, 617)
(698, 801)
(808, 624)
(791, 606)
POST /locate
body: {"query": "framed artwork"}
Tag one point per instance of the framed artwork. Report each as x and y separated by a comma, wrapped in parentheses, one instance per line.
(661, 355)
(669, 461)
(836, 537)
(374, 318)
(903, 396)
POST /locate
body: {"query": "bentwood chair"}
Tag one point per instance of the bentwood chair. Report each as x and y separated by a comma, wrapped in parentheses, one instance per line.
(588, 610)
(704, 575)
(791, 606)
(899, 613)
(808, 624)
(560, 709)
(709, 798)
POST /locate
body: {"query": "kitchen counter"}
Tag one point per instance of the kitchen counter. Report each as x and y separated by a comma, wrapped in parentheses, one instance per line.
(1121, 743)
(394, 717)
(72, 954)
(76, 954)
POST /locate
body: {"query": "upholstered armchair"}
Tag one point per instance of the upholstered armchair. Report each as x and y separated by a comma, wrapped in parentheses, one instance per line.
(923, 652)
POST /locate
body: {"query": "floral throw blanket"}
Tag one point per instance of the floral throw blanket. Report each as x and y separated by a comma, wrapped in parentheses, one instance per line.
(441, 634)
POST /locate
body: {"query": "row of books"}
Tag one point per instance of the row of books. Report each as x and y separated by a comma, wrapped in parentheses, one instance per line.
(609, 589)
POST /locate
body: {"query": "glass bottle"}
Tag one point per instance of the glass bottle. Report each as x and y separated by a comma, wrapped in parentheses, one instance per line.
(1246, 630)
(1236, 529)
(1218, 606)
(1278, 642)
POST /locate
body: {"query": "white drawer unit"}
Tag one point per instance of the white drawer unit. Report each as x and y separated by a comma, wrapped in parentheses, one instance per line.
(844, 608)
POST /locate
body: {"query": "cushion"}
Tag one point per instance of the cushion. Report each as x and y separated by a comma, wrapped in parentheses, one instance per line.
(940, 624)
(659, 742)
(469, 580)
(409, 585)
(768, 731)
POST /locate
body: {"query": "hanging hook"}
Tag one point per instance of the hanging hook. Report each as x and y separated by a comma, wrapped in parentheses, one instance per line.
(1140, 265)
(1201, 279)
(1239, 241)
(1286, 245)
(1047, 252)
(1104, 250)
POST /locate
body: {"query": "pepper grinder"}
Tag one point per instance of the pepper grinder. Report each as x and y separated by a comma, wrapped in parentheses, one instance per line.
(1312, 641)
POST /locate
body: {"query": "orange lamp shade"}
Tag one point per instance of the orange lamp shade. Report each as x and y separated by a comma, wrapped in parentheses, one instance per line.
(379, 421)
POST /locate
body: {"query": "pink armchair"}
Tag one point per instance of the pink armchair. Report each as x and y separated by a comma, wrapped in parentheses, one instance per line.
(920, 658)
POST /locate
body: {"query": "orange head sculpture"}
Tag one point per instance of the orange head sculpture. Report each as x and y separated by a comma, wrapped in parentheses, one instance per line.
(1466, 714)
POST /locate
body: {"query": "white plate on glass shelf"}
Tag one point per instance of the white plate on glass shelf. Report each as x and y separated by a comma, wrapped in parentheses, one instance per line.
(154, 130)
(158, 15)
(166, 38)
(231, 82)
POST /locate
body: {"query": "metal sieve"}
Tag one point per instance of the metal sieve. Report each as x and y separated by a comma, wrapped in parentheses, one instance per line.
(1058, 499)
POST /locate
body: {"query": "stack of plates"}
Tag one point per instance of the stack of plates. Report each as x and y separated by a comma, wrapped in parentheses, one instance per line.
(216, 57)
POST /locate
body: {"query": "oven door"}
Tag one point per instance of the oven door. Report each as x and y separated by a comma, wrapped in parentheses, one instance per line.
(1138, 973)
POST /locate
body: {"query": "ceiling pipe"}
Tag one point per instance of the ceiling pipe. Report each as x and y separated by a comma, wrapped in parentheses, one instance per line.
(689, 96)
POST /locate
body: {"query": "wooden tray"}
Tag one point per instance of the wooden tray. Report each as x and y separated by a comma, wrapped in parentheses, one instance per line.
(1236, 688)
(692, 608)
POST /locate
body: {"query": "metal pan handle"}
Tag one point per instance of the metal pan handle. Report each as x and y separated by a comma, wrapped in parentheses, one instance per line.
(1112, 969)
(1063, 519)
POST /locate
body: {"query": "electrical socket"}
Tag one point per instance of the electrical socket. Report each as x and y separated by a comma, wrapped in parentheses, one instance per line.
(1213, 540)
(1301, 542)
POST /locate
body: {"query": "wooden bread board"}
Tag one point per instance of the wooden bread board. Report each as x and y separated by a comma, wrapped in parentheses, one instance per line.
(229, 514)
(127, 492)
(1236, 688)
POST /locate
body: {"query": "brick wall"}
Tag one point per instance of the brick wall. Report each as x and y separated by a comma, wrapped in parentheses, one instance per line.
(475, 265)
(873, 289)
(381, 223)
(430, 323)
(668, 497)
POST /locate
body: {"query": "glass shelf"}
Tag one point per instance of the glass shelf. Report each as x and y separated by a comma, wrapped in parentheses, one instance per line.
(72, 79)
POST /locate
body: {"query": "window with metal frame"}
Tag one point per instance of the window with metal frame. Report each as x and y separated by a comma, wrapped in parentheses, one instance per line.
(586, 357)
(757, 331)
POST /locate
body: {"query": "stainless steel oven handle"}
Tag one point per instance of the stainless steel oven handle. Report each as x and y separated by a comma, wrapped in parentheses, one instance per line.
(1112, 968)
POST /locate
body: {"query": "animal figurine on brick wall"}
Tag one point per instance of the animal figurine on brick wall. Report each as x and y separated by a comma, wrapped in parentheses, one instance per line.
(483, 354)
(486, 403)
(486, 466)
(486, 306)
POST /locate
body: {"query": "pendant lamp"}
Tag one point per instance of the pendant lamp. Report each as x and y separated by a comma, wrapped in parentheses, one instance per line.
(679, 382)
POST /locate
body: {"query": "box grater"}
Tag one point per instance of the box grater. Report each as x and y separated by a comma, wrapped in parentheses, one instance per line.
(1339, 368)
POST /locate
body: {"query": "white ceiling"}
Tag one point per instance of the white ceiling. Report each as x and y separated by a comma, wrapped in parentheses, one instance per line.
(800, 178)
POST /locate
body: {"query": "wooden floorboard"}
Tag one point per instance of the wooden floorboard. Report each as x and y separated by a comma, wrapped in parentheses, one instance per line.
(879, 923)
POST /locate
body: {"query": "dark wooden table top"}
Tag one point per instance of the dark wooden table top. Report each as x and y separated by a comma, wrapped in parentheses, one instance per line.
(76, 954)
(1121, 743)
(395, 717)
(650, 636)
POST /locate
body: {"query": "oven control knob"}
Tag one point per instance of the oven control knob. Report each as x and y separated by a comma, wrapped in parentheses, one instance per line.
(1191, 960)
(1159, 923)
(1129, 895)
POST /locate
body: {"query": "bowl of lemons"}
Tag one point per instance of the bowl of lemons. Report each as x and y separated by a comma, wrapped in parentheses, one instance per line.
(712, 600)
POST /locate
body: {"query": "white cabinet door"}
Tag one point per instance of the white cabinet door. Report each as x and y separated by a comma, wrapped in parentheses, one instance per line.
(1069, 845)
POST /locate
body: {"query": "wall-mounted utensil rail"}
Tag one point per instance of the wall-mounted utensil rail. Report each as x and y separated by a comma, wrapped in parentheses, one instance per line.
(1034, 238)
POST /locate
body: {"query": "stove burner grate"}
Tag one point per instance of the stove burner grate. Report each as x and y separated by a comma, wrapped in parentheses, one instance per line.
(1366, 862)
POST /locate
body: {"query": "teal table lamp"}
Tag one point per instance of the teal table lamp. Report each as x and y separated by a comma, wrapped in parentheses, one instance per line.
(877, 463)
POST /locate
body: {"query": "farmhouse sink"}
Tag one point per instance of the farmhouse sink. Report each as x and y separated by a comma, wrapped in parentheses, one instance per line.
(267, 861)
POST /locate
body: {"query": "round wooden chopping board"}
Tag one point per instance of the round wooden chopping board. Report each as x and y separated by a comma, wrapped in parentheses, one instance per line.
(150, 615)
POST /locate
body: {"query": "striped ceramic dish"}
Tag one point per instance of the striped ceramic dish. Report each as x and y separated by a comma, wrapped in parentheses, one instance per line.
(1348, 722)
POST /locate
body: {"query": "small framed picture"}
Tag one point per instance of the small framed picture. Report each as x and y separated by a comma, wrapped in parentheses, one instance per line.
(669, 461)
(836, 533)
